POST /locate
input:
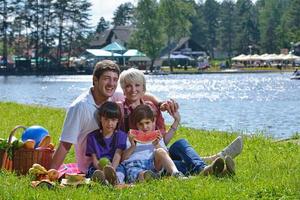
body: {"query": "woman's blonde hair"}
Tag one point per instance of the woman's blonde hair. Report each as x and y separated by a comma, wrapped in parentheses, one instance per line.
(132, 75)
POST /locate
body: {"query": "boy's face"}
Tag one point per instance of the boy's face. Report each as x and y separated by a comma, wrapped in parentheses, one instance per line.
(146, 125)
(109, 124)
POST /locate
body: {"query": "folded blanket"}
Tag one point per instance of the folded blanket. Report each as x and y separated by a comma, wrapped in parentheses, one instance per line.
(70, 168)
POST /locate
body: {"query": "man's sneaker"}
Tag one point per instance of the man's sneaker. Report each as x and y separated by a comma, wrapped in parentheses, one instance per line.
(178, 175)
(218, 166)
(233, 149)
(98, 176)
(110, 175)
(230, 165)
(149, 175)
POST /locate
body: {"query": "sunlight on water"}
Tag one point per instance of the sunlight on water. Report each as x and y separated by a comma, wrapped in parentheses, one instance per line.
(247, 103)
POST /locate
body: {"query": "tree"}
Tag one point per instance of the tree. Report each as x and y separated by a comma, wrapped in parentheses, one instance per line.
(102, 25)
(148, 34)
(211, 10)
(291, 23)
(6, 10)
(226, 30)
(269, 20)
(247, 32)
(175, 19)
(123, 15)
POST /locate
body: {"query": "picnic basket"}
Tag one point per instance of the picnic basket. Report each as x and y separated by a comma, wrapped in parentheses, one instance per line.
(22, 159)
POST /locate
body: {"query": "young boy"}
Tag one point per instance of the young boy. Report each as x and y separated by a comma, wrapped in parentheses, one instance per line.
(143, 161)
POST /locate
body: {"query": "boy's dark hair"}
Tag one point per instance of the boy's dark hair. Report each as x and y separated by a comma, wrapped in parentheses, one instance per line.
(141, 112)
(105, 65)
(108, 110)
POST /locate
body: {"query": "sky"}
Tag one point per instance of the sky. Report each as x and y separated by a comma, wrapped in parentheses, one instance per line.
(105, 8)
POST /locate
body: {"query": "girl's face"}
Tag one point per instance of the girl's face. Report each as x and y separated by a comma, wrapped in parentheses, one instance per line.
(133, 91)
(109, 124)
(146, 125)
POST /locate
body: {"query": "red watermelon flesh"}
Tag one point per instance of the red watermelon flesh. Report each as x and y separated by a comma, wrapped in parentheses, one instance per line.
(144, 137)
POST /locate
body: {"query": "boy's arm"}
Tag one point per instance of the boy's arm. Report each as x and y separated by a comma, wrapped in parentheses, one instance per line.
(127, 153)
(95, 161)
(170, 133)
(117, 158)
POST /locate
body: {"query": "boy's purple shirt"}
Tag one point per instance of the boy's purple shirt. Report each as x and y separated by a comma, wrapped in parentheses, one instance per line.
(94, 147)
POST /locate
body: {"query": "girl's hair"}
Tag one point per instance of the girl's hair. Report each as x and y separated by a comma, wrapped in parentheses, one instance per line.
(141, 112)
(132, 75)
(109, 110)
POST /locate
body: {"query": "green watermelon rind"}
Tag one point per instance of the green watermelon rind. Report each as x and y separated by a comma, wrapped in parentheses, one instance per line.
(144, 137)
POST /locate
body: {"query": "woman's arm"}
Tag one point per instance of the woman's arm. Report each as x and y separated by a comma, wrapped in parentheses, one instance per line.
(170, 133)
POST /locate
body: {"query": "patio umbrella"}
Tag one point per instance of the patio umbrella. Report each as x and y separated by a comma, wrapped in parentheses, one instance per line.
(114, 47)
(103, 53)
(177, 56)
(134, 53)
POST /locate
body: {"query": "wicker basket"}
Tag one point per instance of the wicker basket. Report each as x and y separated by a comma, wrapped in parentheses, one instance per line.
(23, 158)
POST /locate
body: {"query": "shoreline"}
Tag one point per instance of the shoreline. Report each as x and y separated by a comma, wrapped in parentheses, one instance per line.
(147, 73)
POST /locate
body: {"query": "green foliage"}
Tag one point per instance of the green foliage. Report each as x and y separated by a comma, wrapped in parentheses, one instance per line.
(148, 36)
(265, 169)
(102, 25)
(123, 15)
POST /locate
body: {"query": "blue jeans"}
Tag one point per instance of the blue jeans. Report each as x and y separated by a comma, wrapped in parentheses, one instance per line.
(186, 158)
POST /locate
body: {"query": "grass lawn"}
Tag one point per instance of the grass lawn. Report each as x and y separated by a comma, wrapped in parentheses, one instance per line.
(265, 169)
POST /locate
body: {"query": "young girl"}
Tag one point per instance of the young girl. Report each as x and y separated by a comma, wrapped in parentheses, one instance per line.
(142, 160)
(107, 142)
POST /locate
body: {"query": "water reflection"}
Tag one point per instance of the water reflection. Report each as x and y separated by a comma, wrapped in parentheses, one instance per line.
(234, 102)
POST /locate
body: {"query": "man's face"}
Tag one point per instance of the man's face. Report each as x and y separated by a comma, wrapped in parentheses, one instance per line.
(146, 125)
(106, 85)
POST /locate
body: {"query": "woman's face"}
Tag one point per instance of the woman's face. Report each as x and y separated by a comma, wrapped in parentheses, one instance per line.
(133, 91)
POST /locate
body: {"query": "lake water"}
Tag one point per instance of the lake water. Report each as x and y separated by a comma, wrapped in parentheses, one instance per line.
(248, 103)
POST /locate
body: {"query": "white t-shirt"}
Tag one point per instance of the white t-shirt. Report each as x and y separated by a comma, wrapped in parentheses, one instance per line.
(79, 122)
(143, 151)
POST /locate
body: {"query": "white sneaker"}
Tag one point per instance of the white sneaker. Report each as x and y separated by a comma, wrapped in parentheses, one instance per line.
(233, 149)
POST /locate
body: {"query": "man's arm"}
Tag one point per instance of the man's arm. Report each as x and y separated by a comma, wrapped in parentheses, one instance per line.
(60, 154)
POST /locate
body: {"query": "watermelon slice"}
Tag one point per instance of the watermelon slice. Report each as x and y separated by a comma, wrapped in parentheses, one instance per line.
(144, 137)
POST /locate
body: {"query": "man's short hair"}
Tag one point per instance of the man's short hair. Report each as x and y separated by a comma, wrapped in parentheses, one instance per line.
(105, 65)
(132, 75)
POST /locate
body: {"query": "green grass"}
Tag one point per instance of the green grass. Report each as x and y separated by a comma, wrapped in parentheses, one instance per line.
(265, 170)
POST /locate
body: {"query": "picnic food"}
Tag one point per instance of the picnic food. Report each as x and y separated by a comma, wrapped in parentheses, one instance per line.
(29, 144)
(53, 174)
(36, 133)
(144, 137)
(45, 141)
(75, 177)
(103, 162)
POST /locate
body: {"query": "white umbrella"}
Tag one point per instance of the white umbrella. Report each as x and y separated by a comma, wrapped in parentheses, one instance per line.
(133, 53)
(103, 53)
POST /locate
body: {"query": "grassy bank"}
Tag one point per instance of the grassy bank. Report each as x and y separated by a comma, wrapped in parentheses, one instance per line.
(265, 169)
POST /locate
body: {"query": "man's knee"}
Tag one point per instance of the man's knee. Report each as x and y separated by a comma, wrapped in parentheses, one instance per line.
(180, 144)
